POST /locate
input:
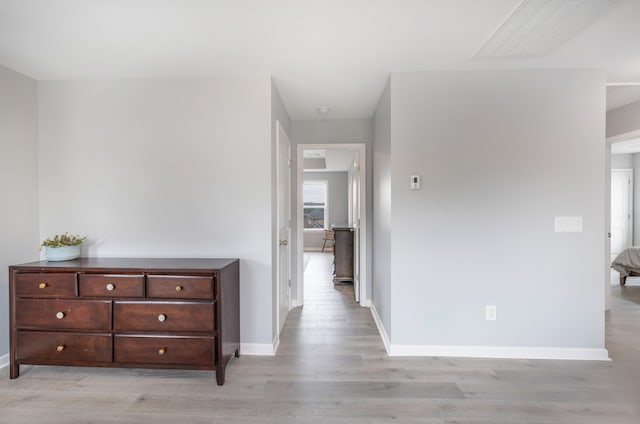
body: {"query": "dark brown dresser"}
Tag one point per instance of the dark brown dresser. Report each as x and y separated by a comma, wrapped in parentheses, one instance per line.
(342, 254)
(111, 312)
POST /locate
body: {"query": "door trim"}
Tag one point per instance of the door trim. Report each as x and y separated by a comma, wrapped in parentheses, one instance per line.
(279, 132)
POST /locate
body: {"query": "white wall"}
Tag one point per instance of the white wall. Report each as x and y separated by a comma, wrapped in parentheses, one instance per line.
(338, 209)
(167, 167)
(18, 182)
(500, 154)
(381, 297)
(330, 131)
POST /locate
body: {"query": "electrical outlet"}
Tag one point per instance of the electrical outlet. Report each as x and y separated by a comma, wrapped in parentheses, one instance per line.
(491, 313)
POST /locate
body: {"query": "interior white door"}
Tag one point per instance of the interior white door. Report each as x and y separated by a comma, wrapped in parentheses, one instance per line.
(284, 225)
(621, 210)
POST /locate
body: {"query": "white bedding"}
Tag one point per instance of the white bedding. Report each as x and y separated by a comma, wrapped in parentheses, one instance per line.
(627, 261)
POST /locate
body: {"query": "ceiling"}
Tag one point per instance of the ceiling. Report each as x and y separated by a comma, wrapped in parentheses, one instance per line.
(333, 160)
(336, 53)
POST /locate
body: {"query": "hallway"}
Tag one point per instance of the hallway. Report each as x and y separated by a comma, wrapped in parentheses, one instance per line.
(330, 322)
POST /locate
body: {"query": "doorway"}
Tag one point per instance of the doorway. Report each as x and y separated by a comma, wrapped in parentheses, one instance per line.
(623, 153)
(319, 164)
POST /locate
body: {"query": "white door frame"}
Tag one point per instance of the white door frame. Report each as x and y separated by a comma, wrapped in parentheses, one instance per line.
(362, 169)
(280, 132)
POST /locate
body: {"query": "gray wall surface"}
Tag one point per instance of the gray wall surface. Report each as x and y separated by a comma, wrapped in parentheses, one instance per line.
(623, 120)
(18, 182)
(382, 208)
(330, 131)
(166, 167)
(494, 150)
(338, 196)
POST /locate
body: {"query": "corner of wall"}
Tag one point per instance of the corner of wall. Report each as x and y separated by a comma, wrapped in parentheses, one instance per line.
(383, 332)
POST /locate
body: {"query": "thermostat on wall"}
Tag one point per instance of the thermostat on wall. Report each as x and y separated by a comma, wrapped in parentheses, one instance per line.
(415, 182)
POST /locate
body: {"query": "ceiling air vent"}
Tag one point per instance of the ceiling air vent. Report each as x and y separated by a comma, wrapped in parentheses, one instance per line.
(537, 27)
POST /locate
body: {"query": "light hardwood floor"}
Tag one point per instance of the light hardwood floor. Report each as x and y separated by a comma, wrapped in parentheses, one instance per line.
(331, 367)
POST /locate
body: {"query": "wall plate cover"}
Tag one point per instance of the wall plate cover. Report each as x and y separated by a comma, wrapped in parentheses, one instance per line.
(568, 224)
(415, 182)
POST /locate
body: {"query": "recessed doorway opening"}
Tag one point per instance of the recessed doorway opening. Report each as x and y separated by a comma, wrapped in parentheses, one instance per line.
(331, 220)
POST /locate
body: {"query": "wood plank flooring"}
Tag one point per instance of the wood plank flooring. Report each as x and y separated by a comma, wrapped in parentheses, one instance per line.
(331, 367)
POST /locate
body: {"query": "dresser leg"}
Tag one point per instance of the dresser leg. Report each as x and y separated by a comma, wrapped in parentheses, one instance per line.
(14, 370)
(220, 376)
(237, 354)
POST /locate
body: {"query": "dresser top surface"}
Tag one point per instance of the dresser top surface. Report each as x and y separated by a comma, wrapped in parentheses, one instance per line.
(132, 264)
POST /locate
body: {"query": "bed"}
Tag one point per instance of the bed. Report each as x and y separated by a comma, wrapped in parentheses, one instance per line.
(627, 264)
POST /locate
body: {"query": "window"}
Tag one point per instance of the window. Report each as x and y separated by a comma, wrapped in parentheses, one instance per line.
(314, 197)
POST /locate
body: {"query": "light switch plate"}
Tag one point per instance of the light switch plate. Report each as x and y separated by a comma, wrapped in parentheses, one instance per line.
(415, 182)
(568, 224)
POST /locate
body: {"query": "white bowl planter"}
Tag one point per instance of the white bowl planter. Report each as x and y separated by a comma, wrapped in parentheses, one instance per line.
(63, 253)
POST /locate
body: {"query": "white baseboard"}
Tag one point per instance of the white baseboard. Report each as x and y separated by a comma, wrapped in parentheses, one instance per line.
(4, 361)
(497, 352)
(264, 349)
(501, 352)
(381, 330)
(276, 343)
(260, 349)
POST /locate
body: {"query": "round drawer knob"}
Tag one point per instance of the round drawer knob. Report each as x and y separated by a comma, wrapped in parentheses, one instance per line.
(110, 287)
(162, 351)
(178, 288)
(43, 285)
(162, 317)
(60, 348)
(60, 315)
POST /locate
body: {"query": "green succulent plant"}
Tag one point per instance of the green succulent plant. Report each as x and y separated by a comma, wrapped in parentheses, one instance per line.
(61, 240)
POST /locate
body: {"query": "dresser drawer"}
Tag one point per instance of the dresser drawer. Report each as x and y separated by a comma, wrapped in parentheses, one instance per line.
(45, 284)
(186, 351)
(63, 314)
(179, 287)
(163, 316)
(105, 285)
(64, 347)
